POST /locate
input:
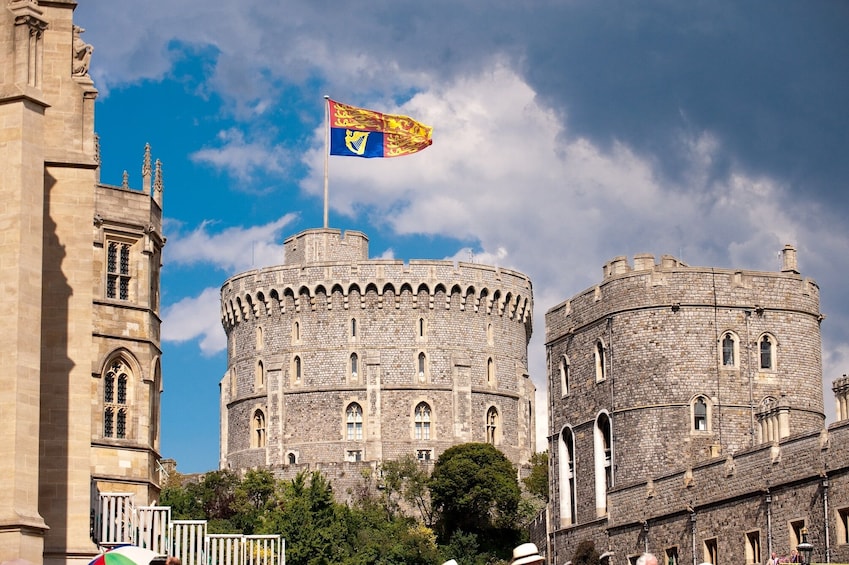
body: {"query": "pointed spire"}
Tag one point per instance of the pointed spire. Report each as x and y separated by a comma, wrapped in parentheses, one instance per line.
(125, 180)
(146, 169)
(157, 184)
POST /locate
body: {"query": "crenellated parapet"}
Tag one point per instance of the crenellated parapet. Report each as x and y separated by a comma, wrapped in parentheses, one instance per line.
(672, 284)
(441, 284)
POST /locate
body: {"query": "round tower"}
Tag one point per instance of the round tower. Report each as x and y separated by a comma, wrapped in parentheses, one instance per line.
(661, 366)
(334, 357)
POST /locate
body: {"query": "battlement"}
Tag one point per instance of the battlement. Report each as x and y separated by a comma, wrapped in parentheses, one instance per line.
(323, 245)
(671, 283)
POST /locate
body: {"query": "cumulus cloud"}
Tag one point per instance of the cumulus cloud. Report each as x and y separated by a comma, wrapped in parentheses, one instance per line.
(233, 249)
(196, 317)
(242, 159)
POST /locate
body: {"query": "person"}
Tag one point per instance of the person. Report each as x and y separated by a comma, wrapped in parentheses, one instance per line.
(794, 557)
(172, 560)
(647, 559)
(525, 554)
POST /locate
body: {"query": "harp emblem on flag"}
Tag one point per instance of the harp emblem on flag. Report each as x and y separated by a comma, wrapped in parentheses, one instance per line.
(355, 141)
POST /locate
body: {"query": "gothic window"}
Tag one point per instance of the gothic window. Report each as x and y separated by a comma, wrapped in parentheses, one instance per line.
(766, 353)
(600, 366)
(490, 372)
(354, 422)
(118, 270)
(297, 369)
(566, 455)
(259, 338)
(492, 423)
(353, 327)
(671, 556)
(354, 367)
(422, 367)
(700, 414)
(711, 550)
(603, 454)
(259, 375)
(296, 331)
(292, 458)
(421, 328)
(753, 547)
(258, 429)
(422, 421)
(729, 350)
(564, 376)
(115, 402)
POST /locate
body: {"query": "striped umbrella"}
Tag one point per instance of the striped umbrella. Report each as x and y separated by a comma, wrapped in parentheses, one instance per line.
(124, 555)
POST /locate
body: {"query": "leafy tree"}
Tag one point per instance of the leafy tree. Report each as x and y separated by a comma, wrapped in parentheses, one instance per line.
(253, 497)
(536, 482)
(406, 479)
(586, 554)
(474, 489)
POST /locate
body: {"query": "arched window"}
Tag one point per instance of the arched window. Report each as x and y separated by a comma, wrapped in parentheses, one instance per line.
(422, 367)
(422, 421)
(492, 423)
(258, 426)
(700, 413)
(566, 454)
(354, 422)
(115, 402)
(298, 369)
(489, 337)
(564, 376)
(259, 375)
(766, 353)
(490, 372)
(292, 458)
(421, 327)
(729, 350)
(353, 327)
(259, 337)
(600, 367)
(296, 331)
(603, 448)
(354, 366)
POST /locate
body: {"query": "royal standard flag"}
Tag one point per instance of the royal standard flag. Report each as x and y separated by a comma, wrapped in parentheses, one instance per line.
(357, 132)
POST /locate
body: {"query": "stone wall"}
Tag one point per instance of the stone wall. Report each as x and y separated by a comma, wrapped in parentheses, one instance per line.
(453, 336)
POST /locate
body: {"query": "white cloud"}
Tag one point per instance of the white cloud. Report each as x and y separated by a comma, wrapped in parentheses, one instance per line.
(233, 249)
(196, 317)
(243, 160)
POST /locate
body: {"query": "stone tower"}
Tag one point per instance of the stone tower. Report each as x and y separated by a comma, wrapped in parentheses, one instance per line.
(666, 365)
(79, 393)
(334, 357)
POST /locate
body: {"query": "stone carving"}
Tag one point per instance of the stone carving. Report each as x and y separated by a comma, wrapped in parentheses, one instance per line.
(82, 53)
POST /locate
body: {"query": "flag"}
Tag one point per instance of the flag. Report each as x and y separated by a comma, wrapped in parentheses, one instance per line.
(357, 132)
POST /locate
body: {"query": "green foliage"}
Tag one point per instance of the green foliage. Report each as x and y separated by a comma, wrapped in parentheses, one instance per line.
(536, 483)
(586, 554)
(406, 479)
(474, 489)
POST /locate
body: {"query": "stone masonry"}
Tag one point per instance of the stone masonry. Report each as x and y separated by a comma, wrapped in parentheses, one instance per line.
(686, 417)
(79, 265)
(429, 353)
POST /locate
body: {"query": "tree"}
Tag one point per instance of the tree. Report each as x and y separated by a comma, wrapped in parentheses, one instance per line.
(536, 482)
(406, 479)
(474, 489)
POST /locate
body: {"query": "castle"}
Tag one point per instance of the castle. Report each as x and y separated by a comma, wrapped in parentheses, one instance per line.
(336, 358)
(686, 418)
(79, 393)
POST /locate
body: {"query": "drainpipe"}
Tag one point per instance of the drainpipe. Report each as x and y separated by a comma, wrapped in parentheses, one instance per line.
(769, 523)
(693, 527)
(825, 513)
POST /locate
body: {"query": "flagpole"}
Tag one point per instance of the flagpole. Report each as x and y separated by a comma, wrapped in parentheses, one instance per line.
(326, 151)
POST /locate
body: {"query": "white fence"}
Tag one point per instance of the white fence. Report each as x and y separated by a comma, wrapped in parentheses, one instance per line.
(117, 521)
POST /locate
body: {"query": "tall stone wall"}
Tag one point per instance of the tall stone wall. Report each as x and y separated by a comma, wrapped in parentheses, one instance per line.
(640, 350)
(293, 330)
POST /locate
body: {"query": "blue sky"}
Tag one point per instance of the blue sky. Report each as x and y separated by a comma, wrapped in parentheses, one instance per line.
(565, 133)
